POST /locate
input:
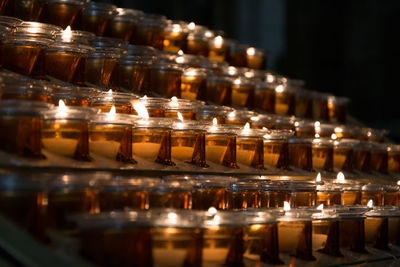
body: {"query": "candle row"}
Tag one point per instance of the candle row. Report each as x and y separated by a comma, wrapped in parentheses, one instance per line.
(138, 28)
(48, 201)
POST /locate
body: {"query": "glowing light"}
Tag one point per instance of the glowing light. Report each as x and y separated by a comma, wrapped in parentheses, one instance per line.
(340, 178)
(247, 126)
(180, 52)
(279, 89)
(212, 210)
(180, 60)
(318, 179)
(317, 135)
(62, 109)
(231, 115)
(141, 110)
(172, 217)
(317, 124)
(255, 227)
(370, 203)
(237, 81)
(180, 117)
(251, 51)
(218, 41)
(232, 70)
(215, 122)
(286, 206)
(191, 26)
(270, 78)
(144, 97)
(320, 207)
(67, 35)
(112, 114)
(338, 130)
(333, 136)
(296, 124)
(398, 182)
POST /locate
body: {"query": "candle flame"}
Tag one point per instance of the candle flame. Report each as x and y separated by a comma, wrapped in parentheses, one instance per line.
(317, 135)
(61, 105)
(333, 136)
(267, 136)
(215, 122)
(370, 203)
(218, 41)
(338, 130)
(340, 178)
(270, 78)
(62, 109)
(180, 60)
(174, 99)
(320, 207)
(279, 89)
(111, 115)
(141, 110)
(251, 51)
(191, 26)
(318, 179)
(212, 210)
(317, 124)
(286, 206)
(144, 97)
(180, 117)
(180, 52)
(246, 126)
(232, 70)
(398, 182)
(231, 115)
(67, 35)
(172, 217)
(110, 92)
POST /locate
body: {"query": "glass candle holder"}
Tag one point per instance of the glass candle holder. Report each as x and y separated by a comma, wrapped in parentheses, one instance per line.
(65, 131)
(300, 152)
(295, 233)
(373, 135)
(194, 84)
(243, 93)
(66, 195)
(74, 96)
(192, 61)
(211, 191)
(134, 73)
(197, 42)
(303, 193)
(237, 55)
(343, 154)
(171, 194)
(165, 79)
(362, 157)
(394, 221)
(240, 118)
(304, 104)
(187, 108)
(372, 192)
(8, 21)
(351, 192)
(188, 143)
(325, 233)
(155, 106)
(20, 123)
(219, 89)
(377, 227)
(76, 37)
(391, 195)
(151, 140)
(175, 36)
(264, 96)
(211, 112)
(394, 158)
(100, 65)
(379, 158)
(20, 200)
(351, 228)
(124, 24)
(21, 53)
(320, 106)
(60, 12)
(285, 100)
(150, 31)
(305, 128)
(337, 107)
(121, 102)
(23, 90)
(110, 135)
(25, 10)
(329, 194)
(124, 194)
(322, 154)
(250, 147)
(274, 194)
(221, 145)
(62, 60)
(243, 195)
(254, 58)
(218, 48)
(96, 17)
(214, 67)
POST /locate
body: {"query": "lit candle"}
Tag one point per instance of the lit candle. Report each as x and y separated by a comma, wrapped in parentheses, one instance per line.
(284, 100)
(243, 93)
(122, 102)
(250, 147)
(254, 58)
(322, 154)
(218, 49)
(187, 108)
(175, 35)
(194, 84)
(276, 148)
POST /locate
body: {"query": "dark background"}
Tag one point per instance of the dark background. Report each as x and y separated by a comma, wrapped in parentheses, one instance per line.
(349, 48)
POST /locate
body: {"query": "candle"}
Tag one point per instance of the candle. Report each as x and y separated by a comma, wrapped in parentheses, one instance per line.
(65, 131)
(254, 58)
(284, 100)
(305, 128)
(61, 13)
(219, 89)
(274, 194)
(155, 106)
(20, 123)
(250, 148)
(329, 194)
(96, 17)
(304, 104)
(110, 135)
(351, 228)
(320, 106)
(276, 149)
(218, 48)
(121, 102)
(394, 224)
(28, 11)
(372, 192)
(187, 108)
(377, 227)
(379, 158)
(264, 96)
(124, 24)
(362, 157)
(343, 154)
(303, 193)
(73, 36)
(300, 152)
(221, 145)
(165, 79)
(150, 31)
(194, 84)
(394, 158)
(124, 194)
(215, 67)
(197, 41)
(337, 108)
(239, 118)
(351, 190)
(211, 112)
(171, 194)
(188, 142)
(175, 36)
(243, 93)
(243, 195)
(322, 154)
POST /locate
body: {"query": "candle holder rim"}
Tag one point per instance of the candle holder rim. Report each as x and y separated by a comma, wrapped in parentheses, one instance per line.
(10, 21)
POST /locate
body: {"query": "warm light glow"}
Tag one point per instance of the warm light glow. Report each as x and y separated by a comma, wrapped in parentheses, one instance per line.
(111, 115)
(338, 130)
(231, 115)
(270, 78)
(174, 99)
(279, 89)
(180, 52)
(212, 210)
(333, 136)
(141, 110)
(255, 227)
(318, 179)
(208, 34)
(370, 203)
(191, 26)
(317, 124)
(398, 182)
(320, 207)
(144, 97)
(180, 60)
(251, 51)
(174, 102)
(218, 41)
(62, 109)
(215, 122)
(67, 35)
(317, 135)
(340, 178)
(267, 136)
(286, 206)
(61, 105)
(180, 117)
(110, 91)
(246, 126)
(172, 217)
(296, 124)
(232, 70)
